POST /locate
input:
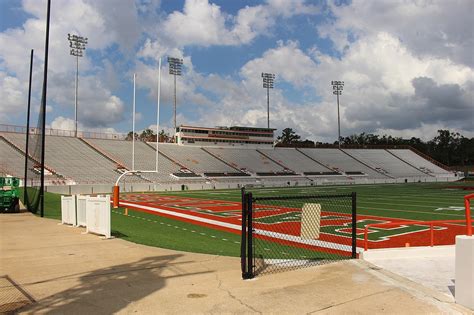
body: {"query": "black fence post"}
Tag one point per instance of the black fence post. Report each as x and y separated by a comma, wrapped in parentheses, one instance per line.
(354, 225)
(250, 263)
(243, 244)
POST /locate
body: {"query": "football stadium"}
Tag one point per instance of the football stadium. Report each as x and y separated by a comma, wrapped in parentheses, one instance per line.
(227, 219)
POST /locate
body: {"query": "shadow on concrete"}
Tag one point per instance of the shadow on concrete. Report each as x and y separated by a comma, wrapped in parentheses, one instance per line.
(452, 288)
(108, 290)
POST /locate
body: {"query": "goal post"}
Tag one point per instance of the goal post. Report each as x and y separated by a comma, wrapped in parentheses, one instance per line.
(116, 188)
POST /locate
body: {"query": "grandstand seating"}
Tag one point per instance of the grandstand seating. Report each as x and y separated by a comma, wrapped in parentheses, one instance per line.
(12, 161)
(294, 160)
(100, 161)
(196, 159)
(145, 157)
(247, 159)
(337, 160)
(75, 160)
(385, 162)
(417, 161)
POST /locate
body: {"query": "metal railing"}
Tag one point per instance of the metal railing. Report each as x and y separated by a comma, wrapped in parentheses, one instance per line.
(468, 222)
(64, 133)
(432, 224)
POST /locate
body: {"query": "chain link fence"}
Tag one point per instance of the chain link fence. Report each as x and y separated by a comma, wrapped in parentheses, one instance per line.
(288, 232)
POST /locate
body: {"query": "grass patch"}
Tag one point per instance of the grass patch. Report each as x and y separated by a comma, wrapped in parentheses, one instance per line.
(153, 230)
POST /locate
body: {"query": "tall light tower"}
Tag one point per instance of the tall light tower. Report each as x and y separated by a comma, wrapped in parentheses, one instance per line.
(175, 66)
(337, 87)
(268, 79)
(77, 45)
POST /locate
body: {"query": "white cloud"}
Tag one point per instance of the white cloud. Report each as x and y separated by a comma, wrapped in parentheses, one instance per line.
(441, 29)
(11, 95)
(203, 23)
(67, 124)
(287, 60)
(414, 94)
(103, 27)
(63, 123)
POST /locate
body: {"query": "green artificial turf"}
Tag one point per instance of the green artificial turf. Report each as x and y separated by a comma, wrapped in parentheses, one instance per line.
(408, 201)
(420, 201)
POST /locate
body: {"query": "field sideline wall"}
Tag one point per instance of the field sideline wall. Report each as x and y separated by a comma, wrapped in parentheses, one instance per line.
(139, 187)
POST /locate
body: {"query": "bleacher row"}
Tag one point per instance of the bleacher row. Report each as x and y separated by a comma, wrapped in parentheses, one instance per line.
(100, 161)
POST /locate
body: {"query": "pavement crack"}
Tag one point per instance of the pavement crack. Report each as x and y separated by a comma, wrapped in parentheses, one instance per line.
(233, 297)
(348, 301)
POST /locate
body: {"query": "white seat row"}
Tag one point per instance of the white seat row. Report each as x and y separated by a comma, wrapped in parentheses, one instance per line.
(386, 162)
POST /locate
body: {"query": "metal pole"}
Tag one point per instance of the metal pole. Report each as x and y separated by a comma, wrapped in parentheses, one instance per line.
(27, 131)
(133, 125)
(158, 112)
(243, 241)
(75, 95)
(250, 236)
(268, 108)
(43, 105)
(354, 225)
(174, 104)
(338, 123)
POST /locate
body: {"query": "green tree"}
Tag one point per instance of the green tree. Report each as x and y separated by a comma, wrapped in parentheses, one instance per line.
(288, 136)
(129, 136)
(148, 135)
(163, 136)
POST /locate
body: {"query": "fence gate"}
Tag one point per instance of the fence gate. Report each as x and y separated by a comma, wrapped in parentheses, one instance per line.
(288, 232)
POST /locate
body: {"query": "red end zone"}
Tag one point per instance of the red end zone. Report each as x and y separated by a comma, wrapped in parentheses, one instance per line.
(285, 222)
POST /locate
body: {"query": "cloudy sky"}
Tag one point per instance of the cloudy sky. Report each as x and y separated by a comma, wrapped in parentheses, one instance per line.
(408, 66)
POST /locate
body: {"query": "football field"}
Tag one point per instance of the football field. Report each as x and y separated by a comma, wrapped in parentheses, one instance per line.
(220, 210)
(209, 221)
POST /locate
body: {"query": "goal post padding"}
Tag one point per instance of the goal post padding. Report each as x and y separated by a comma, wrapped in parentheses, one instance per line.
(310, 221)
(116, 196)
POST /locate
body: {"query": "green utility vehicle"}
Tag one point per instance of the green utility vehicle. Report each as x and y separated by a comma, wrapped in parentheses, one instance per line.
(9, 194)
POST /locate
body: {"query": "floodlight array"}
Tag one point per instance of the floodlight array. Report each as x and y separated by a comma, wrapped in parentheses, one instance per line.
(175, 65)
(337, 87)
(268, 79)
(77, 44)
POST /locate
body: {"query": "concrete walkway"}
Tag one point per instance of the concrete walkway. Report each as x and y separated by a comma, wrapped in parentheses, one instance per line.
(55, 269)
(433, 267)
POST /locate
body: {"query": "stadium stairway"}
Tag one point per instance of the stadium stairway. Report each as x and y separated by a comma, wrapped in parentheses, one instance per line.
(421, 170)
(362, 162)
(120, 165)
(309, 157)
(54, 174)
(430, 159)
(276, 162)
(220, 159)
(167, 157)
(104, 154)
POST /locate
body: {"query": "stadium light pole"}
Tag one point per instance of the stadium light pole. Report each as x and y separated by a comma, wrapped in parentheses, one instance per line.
(268, 79)
(25, 181)
(77, 45)
(133, 124)
(158, 113)
(337, 87)
(175, 67)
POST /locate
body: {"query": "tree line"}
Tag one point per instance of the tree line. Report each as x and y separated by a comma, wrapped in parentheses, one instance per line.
(449, 148)
(149, 135)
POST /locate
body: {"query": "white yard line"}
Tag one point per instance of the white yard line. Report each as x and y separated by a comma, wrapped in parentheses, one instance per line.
(236, 227)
